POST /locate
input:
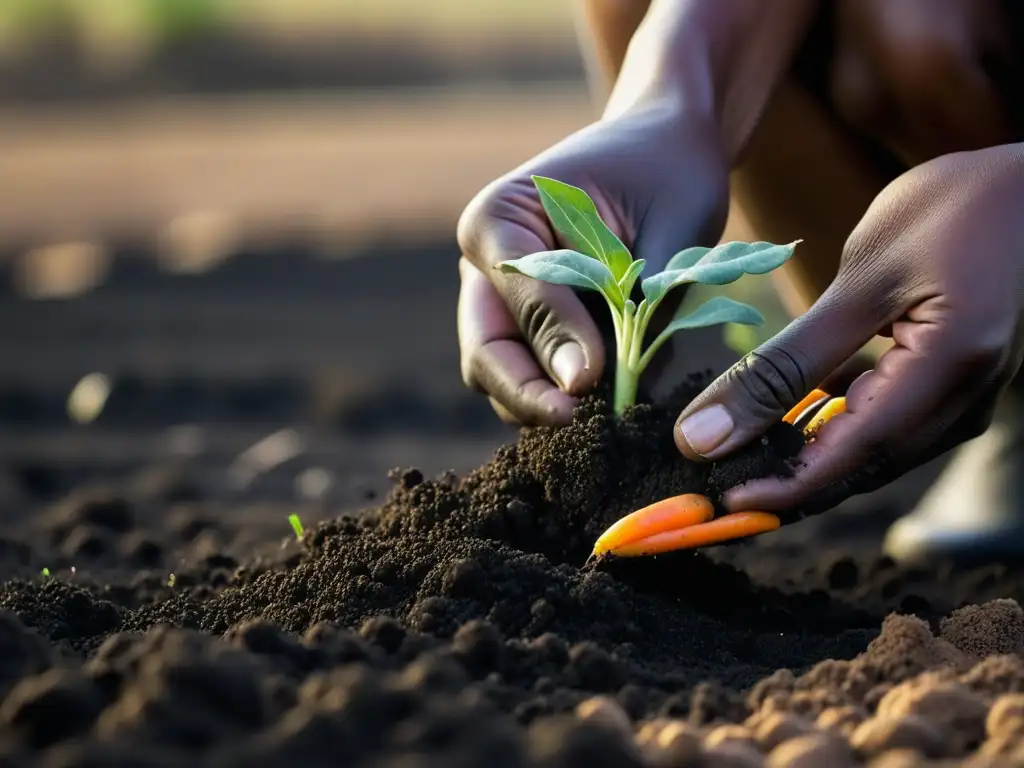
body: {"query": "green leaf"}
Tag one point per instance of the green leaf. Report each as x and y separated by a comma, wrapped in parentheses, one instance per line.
(728, 262)
(567, 268)
(657, 286)
(723, 264)
(575, 216)
(686, 259)
(628, 280)
(720, 309)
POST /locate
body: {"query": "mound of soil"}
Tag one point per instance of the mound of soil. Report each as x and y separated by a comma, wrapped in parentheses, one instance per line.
(453, 626)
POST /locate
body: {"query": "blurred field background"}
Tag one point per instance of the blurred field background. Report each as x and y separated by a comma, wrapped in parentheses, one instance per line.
(205, 123)
(102, 47)
(227, 251)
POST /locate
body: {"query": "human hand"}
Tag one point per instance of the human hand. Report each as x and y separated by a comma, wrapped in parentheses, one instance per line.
(935, 264)
(660, 182)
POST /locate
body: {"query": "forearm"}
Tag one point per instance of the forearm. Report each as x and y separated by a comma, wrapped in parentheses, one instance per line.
(606, 27)
(717, 59)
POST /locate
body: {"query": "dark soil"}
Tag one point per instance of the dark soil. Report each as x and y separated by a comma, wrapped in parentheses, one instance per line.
(478, 576)
(451, 624)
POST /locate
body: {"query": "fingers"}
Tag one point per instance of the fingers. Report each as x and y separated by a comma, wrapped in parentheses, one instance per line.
(924, 395)
(496, 360)
(840, 380)
(532, 346)
(763, 387)
(548, 317)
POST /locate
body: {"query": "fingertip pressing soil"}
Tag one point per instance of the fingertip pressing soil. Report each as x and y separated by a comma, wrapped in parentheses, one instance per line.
(453, 626)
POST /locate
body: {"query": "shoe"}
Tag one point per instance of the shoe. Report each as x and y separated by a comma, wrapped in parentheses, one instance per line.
(974, 513)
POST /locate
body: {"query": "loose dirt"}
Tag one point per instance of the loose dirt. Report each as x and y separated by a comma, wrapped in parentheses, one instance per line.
(450, 624)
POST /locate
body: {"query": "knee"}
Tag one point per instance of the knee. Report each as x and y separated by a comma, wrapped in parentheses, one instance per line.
(917, 76)
(900, 77)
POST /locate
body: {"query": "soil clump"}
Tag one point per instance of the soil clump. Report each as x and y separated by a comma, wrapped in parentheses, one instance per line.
(454, 626)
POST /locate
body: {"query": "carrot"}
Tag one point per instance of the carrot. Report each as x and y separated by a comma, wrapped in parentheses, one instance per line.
(736, 526)
(800, 408)
(831, 409)
(665, 515)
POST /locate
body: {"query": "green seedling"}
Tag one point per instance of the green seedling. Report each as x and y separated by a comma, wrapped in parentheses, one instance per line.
(45, 573)
(296, 524)
(597, 260)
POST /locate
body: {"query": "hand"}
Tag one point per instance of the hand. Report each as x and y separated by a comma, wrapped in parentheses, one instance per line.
(658, 179)
(936, 264)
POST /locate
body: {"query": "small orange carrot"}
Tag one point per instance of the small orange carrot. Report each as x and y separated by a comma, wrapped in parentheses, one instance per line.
(665, 515)
(831, 409)
(800, 408)
(740, 525)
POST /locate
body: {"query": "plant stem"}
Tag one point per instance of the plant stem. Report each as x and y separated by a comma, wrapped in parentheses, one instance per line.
(653, 348)
(626, 372)
(626, 381)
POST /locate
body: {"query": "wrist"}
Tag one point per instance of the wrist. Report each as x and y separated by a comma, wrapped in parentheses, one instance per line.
(716, 63)
(667, 67)
(666, 80)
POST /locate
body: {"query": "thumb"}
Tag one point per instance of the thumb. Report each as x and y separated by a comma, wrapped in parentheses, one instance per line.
(766, 384)
(558, 328)
(552, 322)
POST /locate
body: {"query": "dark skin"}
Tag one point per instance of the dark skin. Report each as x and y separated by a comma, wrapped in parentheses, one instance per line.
(902, 174)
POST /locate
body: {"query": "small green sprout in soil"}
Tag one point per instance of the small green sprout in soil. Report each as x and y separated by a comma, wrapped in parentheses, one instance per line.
(597, 260)
(170, 581)
(45, 573)
(296, 524)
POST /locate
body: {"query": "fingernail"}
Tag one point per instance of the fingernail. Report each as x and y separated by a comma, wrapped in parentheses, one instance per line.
(707, 429)
(567, 364)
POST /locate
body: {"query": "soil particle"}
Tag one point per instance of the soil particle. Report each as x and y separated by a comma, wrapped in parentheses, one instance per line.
(881, 734)
(1006, 717)
(453, 625)
(897, 758)
(994, 628)
(667, 742)
(843, 720)
(732, 754)
(141, 550)
(953, 709)
(86, 542)
(52, 707)
(842, 574)
(729, 734)
(101, 508)
(22, 653)
(811, 751)
(996, 675)
(564, 742)
(778, 727)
